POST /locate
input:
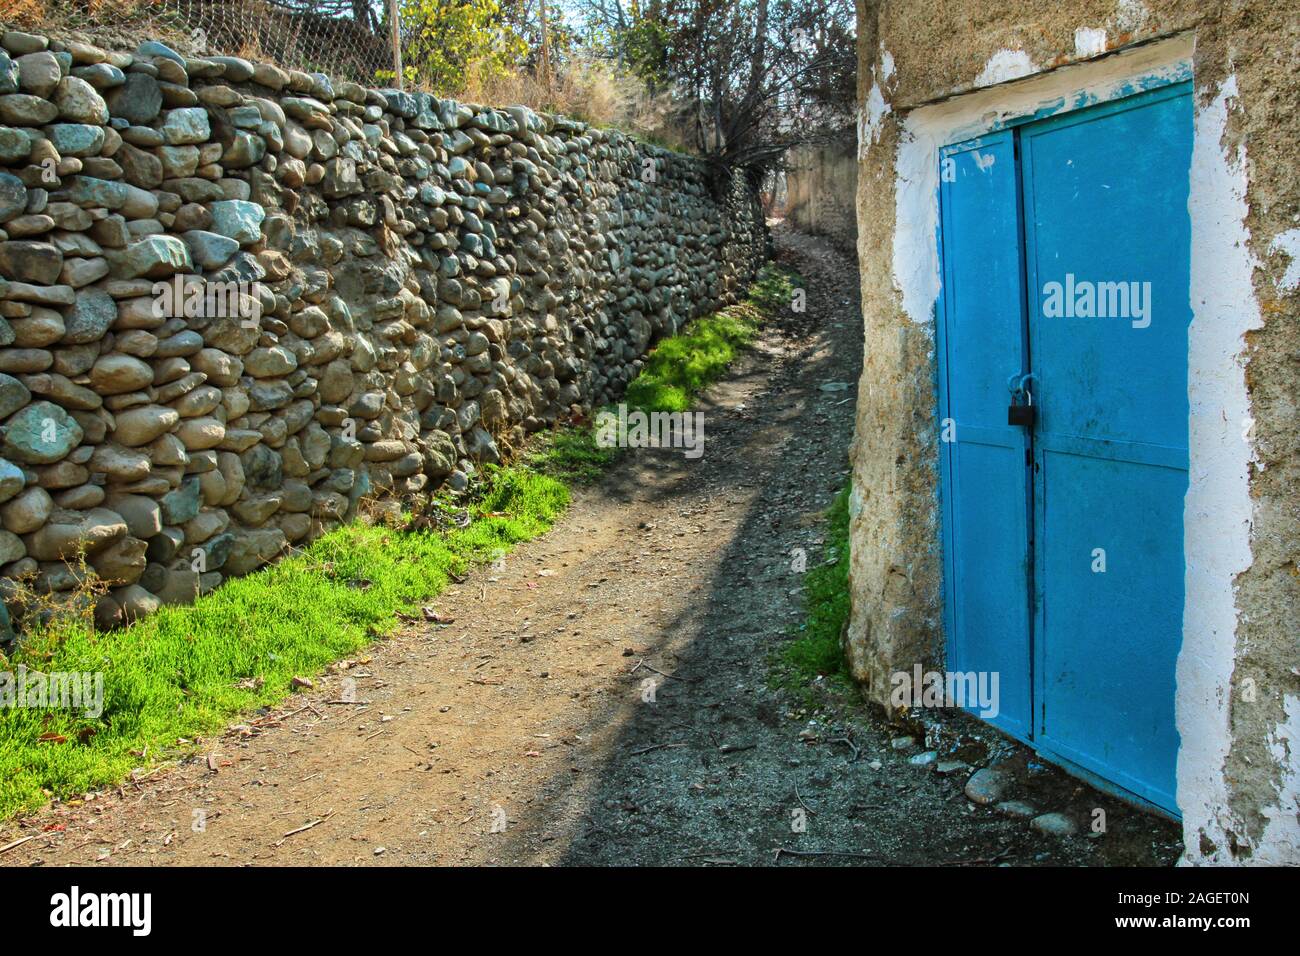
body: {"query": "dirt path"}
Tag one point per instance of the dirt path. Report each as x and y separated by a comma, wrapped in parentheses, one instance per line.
(604, 699)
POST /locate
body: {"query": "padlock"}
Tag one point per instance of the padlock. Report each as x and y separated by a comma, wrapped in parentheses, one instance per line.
(1022, 415)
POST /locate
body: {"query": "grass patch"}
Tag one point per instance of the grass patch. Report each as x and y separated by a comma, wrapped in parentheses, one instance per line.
(571, 454)
(815, 650)
(186, 671)
(682, 365)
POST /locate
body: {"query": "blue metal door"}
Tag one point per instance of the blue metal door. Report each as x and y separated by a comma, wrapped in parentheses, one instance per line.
(1105, 194)
(1105, 251)
(985, 471)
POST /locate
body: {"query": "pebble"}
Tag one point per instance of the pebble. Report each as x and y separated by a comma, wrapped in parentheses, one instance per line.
(1016, 809)
(1054, 824)
(987, 786)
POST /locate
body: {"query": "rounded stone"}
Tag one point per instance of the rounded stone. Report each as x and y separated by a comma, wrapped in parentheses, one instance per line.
(28, 511)
(39, 73)
(69, 532)
(90, 317)
(13, 196)
(138, 101)
(1053, 824)
(199, 434)
(116, 374)
(270, 362)
(986, 786)
(13, 395)
(78, 102)
(23, 109)
(11, 547)
(139, 426)
(121, 562)
(12, 480)
(136, 602)
(142, 514)
(41, 434)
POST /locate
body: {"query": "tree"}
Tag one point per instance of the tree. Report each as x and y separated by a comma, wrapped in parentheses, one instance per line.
(444, 39)
(756, 76)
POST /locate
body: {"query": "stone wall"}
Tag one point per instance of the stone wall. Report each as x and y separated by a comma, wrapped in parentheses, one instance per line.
(820, 184)
(236, 299)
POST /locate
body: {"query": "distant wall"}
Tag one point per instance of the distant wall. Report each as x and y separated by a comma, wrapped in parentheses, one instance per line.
(236, 299)
(820, 187)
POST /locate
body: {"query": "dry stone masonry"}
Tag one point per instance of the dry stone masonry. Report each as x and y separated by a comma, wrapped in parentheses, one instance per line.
(235, 299)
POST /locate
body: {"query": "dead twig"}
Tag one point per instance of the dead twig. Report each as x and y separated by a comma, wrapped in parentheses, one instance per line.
(307, 826)
(799, 797)
(786, 851)
(653, 747)
(851, 745)
(641, 663)
(17, 843)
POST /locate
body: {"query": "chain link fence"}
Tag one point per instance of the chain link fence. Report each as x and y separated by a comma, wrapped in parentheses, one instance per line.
(344, 38)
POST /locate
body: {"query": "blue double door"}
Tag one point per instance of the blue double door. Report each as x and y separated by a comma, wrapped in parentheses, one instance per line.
(1063, 392)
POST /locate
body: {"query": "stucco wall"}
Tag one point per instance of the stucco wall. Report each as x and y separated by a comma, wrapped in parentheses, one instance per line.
(409, 286)
(1238, 697)
(820, 186)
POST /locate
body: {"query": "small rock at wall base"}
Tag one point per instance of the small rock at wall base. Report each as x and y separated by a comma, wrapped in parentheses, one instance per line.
(1054, 824)
(986, 786)
(136, 602)
(1016, 809)
(251, 549)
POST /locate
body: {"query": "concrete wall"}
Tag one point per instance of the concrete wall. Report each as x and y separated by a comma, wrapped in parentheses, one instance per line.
(820, 185)
(409, 286)
(927, 70)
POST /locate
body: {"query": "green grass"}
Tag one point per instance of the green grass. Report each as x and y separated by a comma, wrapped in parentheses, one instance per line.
(177, 675)
(187, 672)
(571, 454)
(682, 365)
(815, 650)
